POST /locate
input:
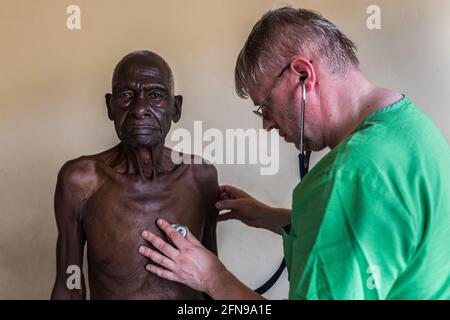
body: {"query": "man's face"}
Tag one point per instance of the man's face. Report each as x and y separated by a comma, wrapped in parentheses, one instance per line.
(142, 104)
(283, 109)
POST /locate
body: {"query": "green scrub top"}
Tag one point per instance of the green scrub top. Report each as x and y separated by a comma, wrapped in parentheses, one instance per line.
(372, 219)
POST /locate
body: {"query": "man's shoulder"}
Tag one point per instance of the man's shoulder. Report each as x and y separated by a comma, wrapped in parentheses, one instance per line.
(201, 168)
(204, 172)
(86, 167)
(79, 175)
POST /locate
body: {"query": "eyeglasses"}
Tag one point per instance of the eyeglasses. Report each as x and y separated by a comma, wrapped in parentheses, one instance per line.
(304, 156)
(261, 110)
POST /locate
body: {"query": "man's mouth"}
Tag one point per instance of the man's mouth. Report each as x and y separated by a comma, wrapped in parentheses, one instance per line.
(141, 130)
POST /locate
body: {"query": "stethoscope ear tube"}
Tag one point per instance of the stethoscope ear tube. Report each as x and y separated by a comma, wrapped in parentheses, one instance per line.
(274, 278)
(303, 164)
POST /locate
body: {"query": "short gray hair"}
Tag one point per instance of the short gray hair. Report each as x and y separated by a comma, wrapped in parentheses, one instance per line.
(152, 56)
(281, 34)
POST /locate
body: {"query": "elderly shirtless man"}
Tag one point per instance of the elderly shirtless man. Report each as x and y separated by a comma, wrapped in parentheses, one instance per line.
(106, 200)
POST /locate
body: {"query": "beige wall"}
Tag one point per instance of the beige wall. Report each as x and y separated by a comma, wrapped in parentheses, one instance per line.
(51, 103)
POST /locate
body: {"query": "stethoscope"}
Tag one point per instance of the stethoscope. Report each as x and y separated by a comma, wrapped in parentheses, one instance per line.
(303, 164)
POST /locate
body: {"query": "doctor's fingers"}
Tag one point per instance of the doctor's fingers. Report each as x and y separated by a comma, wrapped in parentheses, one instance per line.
(230, 215)
(163, 273)
(192, 239)
(233, 204)
(230, 192)
(157, 257)
(177, 239)
(162, 246)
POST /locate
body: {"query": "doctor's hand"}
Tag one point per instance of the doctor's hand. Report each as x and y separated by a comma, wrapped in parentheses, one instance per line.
(250, 211)
(185, 261)
(188, 262)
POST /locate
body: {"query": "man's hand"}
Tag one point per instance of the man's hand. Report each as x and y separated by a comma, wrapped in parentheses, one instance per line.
(250, 211)
(188, 262)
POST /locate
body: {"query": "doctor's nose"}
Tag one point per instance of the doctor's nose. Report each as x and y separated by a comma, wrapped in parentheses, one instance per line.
(269, 124)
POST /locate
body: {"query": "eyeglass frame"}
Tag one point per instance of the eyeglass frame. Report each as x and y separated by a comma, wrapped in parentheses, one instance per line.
(304, 156)
(262, 104)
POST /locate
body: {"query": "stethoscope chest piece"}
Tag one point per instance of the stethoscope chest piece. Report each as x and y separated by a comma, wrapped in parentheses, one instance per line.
(180, 229)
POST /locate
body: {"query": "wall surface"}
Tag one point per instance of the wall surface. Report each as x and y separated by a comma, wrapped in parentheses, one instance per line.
(53, 81)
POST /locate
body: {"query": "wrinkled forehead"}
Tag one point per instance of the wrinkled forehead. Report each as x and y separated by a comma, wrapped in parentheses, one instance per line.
(141, 70)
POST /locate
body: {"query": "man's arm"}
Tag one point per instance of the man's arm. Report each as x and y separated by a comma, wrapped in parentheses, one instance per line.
(250, 211)
(278, 218)
(210, 188)
(225, 286)
(211, 193)
(70, 196)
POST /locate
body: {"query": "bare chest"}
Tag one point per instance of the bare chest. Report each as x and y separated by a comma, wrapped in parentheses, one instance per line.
(122, 208)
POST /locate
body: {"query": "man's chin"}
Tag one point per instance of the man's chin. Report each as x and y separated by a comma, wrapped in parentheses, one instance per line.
(143, 141)
(306, 147)
(291, 140)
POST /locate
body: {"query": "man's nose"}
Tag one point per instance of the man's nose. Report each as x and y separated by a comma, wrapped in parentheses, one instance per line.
(139, 108)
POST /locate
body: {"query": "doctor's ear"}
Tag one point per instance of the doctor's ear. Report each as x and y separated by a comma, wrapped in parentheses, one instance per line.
(303, 77)
(304, 69)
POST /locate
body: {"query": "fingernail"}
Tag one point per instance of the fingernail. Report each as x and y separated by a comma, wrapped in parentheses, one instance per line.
(159, 221)
(144, 234)
(219, 205)
(148, 267)
(141, 249)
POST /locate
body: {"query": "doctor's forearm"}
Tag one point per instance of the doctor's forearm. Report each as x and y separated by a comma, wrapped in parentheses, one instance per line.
(225, 286)
(279, 218)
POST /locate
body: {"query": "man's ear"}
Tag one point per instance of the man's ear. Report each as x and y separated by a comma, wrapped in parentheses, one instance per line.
(108, 98)
(305, 70)
(178, 102)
